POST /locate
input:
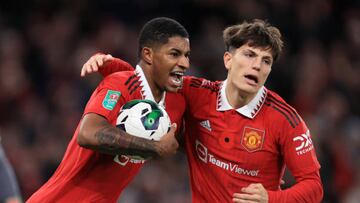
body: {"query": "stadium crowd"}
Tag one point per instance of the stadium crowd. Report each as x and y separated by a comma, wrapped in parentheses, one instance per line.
(43, 45)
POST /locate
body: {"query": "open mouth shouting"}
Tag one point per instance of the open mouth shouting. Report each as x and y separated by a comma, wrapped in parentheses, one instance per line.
(176, 78)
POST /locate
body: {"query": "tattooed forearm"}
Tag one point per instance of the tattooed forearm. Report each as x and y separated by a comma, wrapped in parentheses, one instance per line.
(113, 140)
(107, 137)
(138, 143)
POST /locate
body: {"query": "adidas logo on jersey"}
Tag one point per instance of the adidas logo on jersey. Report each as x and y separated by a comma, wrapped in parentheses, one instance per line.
(206, 124)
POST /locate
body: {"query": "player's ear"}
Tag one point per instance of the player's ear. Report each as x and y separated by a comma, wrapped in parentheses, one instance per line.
(147, 55)
(227, 60)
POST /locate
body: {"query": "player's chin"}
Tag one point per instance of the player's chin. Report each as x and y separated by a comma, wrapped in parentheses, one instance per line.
(249, 89)
(172, 88)
(252, 91)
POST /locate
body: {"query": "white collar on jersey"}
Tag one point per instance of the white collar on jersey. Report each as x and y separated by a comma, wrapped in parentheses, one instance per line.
(145, 87)
(250, 110)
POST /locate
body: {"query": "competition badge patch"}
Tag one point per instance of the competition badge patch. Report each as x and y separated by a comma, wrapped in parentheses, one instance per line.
(252, 139)
(111, 99)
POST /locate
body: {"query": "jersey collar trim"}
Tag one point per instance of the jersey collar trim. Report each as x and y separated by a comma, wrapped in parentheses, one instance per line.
(145, 87)
(250, 110)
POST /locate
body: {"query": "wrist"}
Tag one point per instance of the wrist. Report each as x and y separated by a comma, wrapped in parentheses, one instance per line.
(158, 149)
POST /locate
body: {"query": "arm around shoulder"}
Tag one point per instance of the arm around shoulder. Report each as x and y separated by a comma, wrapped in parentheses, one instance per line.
(105, 65)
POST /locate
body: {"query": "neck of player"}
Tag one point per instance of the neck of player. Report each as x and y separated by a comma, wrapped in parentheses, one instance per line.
(236, 97)
(155, 90)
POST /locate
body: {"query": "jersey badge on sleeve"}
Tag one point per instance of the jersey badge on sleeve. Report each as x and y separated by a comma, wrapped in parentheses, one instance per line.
(111, 99)
(304, 143)
(252, 139)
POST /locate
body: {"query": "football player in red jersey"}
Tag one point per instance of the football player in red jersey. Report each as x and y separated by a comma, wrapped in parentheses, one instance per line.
(95, 167)
(240, 138)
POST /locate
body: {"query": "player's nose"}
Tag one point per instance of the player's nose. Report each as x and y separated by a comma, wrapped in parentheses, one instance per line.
(256, 63)
(184, 62)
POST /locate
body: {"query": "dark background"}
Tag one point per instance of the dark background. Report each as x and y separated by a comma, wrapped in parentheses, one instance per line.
(43, 45)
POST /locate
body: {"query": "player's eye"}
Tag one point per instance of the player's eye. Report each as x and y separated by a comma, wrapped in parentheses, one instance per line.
(249, 54)
(174, 54)
(267, 61)
(187, 55)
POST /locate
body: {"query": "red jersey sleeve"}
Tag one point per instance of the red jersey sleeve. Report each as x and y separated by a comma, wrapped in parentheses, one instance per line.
(116, 65)
(300, 158)
(108, 98)
(308, 189)
(193, 88)
(298, 149)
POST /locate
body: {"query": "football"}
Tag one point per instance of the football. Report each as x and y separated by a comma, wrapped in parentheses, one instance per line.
(144, 118)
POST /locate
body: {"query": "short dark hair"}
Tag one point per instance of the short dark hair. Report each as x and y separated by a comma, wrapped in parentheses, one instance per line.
(257, 33)
(158, 31)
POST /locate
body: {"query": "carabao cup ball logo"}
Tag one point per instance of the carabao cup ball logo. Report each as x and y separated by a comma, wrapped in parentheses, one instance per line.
(151, 121)
(143, 118)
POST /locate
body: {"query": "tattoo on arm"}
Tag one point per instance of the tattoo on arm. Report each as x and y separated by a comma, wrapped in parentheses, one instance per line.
(107, 137)
(115, 141)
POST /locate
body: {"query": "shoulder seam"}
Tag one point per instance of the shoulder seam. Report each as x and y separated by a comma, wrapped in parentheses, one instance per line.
(284, 111)
(198, 83)
(194, 82)
(132, 83)
(294, 114)
(129, 79)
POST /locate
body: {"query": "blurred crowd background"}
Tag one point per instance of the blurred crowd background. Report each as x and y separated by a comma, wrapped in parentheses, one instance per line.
(43, 45)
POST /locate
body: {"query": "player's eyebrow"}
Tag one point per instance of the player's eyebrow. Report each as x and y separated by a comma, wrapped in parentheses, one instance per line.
(180, 52)
(175, 49)
(268, 57)
(250, 51)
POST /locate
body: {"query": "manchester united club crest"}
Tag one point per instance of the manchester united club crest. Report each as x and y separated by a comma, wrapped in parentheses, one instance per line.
(252, 139)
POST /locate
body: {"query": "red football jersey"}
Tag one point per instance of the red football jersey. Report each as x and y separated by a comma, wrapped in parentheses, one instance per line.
(228, 148)
(88, 176)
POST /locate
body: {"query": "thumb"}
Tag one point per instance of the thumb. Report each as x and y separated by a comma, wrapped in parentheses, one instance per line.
(173, 128)
(108, 57)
